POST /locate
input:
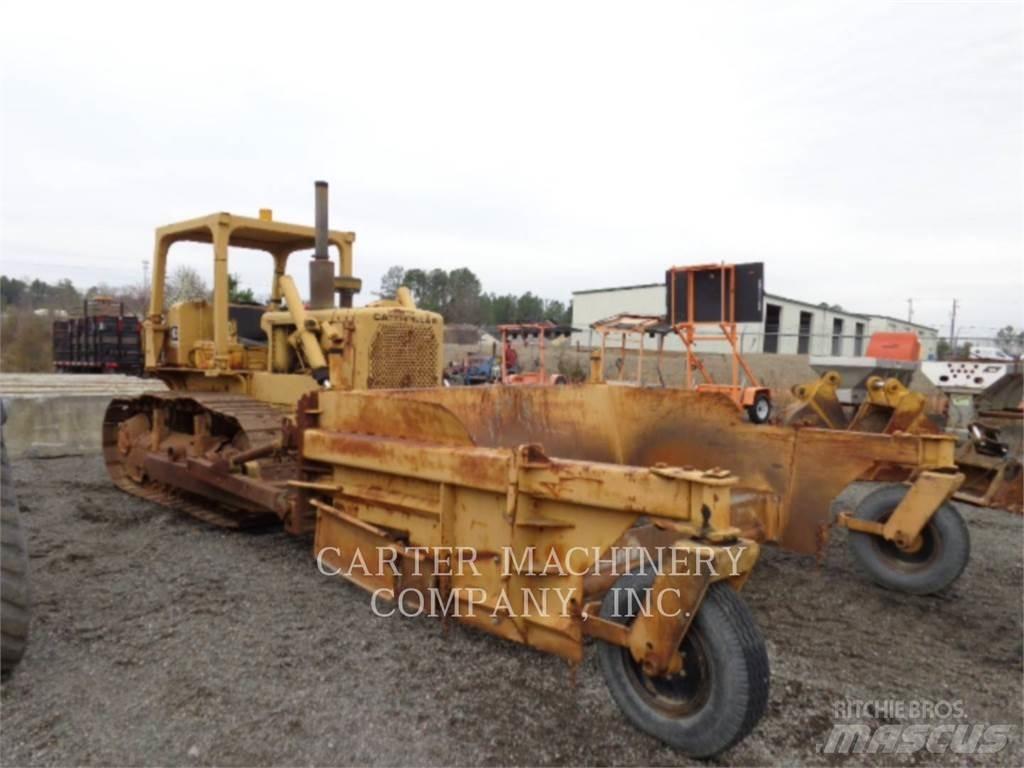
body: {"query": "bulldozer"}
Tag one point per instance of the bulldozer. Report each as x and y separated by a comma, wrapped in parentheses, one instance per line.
(294, 415)
(225, 431)
(546, 515)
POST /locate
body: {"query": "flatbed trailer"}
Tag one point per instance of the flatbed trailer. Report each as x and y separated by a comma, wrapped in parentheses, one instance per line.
(103, 340)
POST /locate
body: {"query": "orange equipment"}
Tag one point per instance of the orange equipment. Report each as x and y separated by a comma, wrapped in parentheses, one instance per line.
(706, 295)
(542, 331)
(888, 345)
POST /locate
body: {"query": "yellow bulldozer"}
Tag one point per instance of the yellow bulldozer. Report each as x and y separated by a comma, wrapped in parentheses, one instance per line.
(544, 515)
(225, 432)
(291, 415)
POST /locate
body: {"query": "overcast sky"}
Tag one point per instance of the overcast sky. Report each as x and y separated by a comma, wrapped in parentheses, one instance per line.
(868, 152)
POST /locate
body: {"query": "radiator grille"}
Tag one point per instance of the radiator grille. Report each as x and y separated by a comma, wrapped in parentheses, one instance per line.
(402, 357)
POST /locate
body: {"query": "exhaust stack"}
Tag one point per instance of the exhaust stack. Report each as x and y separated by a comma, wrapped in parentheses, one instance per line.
(321, 271)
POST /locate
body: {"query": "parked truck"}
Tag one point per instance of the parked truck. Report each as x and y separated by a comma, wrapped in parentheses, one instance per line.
(103, 340)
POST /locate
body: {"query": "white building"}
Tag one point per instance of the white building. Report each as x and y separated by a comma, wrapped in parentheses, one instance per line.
(789, 326)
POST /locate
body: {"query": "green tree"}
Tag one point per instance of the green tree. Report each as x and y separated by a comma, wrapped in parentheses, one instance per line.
(64, 296)
(437, 290)
(458, 295)
(38, 293)
(391, 281)
(12, 292)
(416, 280)
(430, 289)
(529, 308)
(463, 294)
(557, 312)
(238, 295)
(943, 351)
(497, 310)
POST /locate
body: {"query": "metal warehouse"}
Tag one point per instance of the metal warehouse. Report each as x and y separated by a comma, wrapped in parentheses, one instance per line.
(789, 326)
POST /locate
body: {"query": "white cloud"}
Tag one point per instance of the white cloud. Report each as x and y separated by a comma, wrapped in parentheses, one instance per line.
(868, 152)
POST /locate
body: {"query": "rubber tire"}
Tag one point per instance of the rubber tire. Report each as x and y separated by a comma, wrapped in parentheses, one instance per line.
(14, 584)
(869, 551)
(739, 675)
(752, 409)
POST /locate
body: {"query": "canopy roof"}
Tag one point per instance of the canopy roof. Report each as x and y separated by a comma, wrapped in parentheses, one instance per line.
(247, 232)
(546, 328)
(629, 323)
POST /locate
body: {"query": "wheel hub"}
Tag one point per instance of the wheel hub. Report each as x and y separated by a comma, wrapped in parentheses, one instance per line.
(681, 693)
(911, 546)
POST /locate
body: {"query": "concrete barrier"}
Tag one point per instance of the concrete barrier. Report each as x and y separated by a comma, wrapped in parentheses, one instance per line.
(51, 414)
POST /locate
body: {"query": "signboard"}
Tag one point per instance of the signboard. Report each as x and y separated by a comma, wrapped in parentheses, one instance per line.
(711, 298)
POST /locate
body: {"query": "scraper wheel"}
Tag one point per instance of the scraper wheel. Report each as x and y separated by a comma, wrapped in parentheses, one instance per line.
(722, 691)
(929, 564)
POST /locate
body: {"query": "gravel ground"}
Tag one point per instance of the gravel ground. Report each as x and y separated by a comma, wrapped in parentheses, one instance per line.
(158, 640)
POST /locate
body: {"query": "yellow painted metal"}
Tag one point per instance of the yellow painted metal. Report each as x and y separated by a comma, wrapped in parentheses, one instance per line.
(222, 230)
(621, 453)
(888, 407)
(848, 521)
(189, 322)
(676, 595)
(891, 407)
(403, 297)
(305, 325)
(535, 526)
(385, 344)
(787, 478)
(221, 234)
(537, 482)
(655, 635)
(821, 398)
(928, 493)
(596, 375)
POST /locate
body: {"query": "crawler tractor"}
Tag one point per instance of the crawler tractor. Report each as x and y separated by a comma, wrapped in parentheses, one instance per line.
(331, 419)
(490, 500)
(221, 444)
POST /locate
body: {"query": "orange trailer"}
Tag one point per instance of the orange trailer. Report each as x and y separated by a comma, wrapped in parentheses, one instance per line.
(707, 297)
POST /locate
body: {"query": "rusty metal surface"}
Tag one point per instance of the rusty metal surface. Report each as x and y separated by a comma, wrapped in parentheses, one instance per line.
(930, 490)
(148, 457)
(409, 473)
(818, 404)
(890, 408)
(792, 473)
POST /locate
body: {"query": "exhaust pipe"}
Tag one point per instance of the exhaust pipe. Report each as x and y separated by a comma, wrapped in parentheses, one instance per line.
(321, 271)
(320, 201)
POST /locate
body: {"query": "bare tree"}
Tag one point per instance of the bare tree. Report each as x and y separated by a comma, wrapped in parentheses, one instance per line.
(1010, 341)
(186, 284)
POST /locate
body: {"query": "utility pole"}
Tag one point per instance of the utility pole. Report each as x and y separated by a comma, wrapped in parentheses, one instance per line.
(145, 274)
(952, 331)
(910, 310)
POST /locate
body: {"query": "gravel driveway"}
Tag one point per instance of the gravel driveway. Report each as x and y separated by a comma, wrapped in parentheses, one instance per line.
(159, 640)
